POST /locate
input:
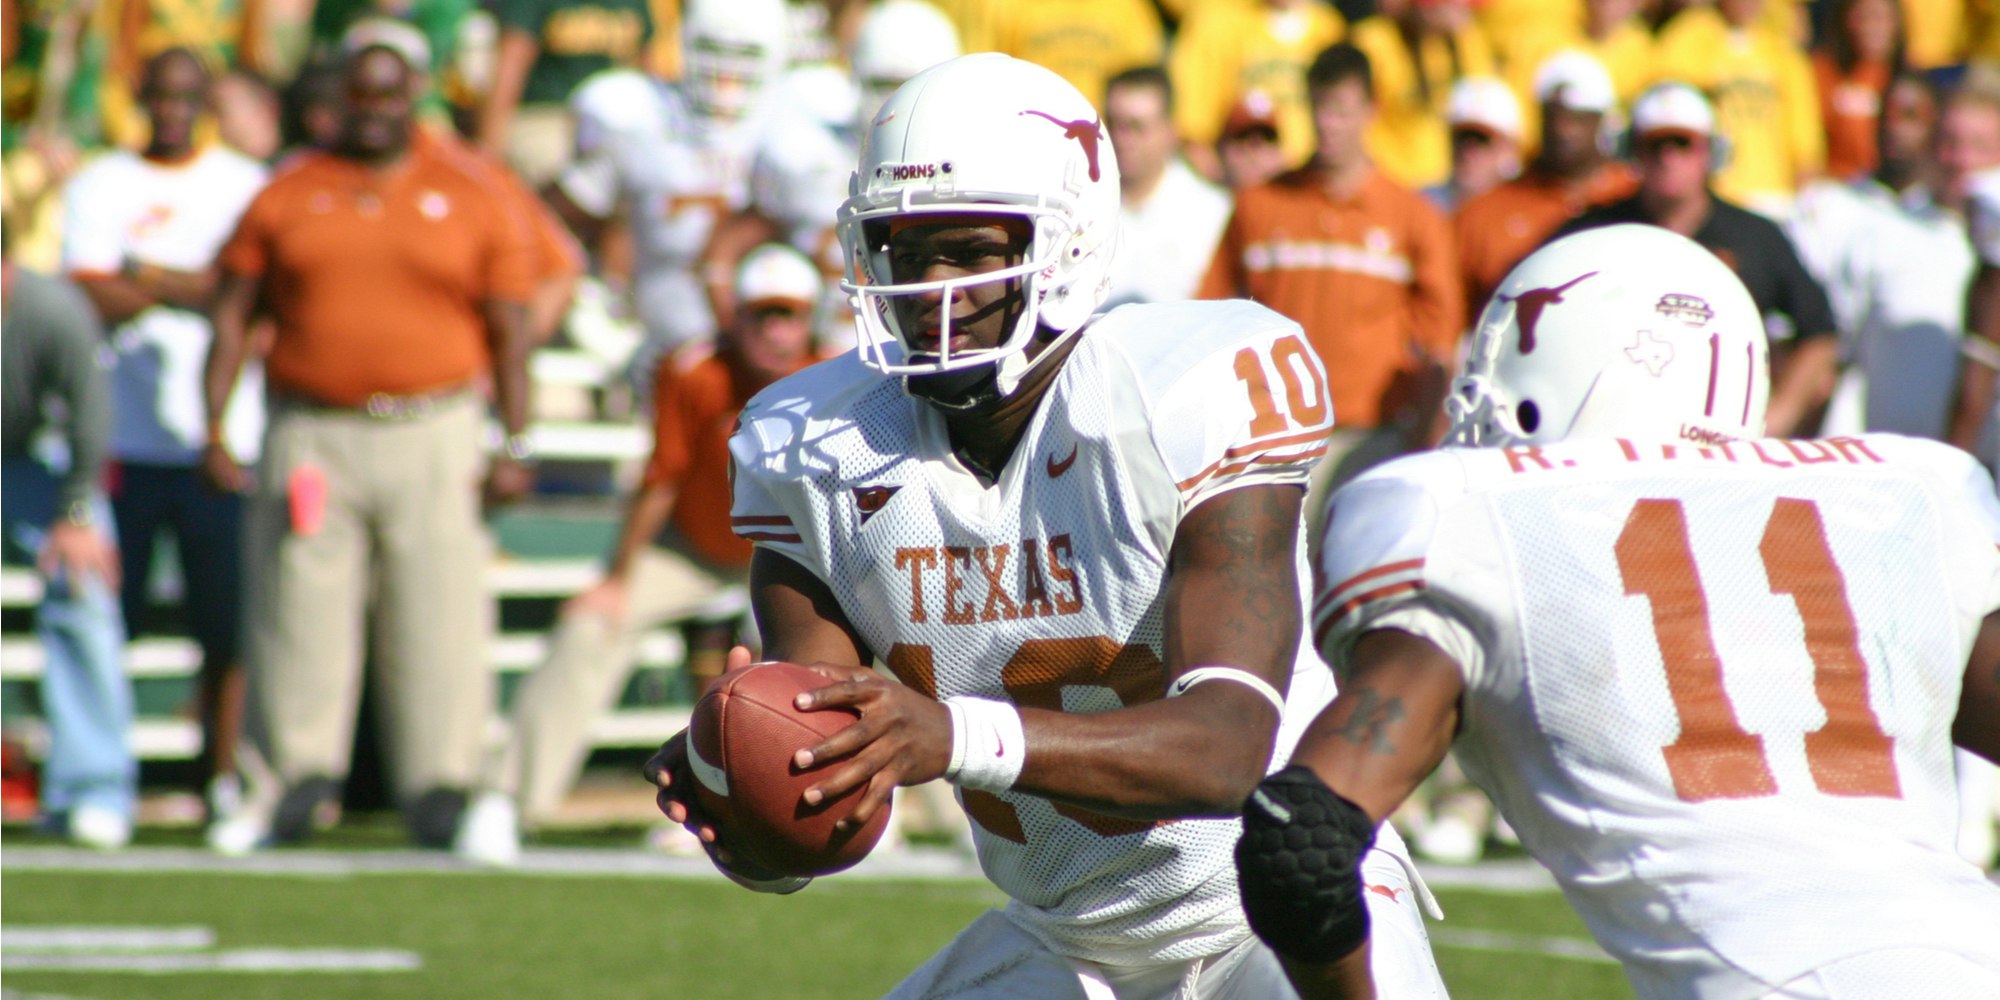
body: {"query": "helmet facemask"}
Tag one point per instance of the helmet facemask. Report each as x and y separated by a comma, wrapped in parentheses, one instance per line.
(882, 304)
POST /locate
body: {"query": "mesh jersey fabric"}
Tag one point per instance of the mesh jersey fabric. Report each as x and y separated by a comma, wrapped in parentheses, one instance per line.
(1664, 634)
(1047, 588)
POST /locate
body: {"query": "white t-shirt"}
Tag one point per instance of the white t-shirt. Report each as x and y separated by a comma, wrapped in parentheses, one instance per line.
(1896, 269)
(176, 216)
(1165, 245)
(1046, 588)
(1654, 639)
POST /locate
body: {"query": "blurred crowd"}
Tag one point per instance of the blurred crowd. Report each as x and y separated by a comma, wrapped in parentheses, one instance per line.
(315, 245)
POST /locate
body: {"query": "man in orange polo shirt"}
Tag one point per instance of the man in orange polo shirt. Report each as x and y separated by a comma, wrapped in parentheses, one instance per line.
(1572, 172)
(395, 272)
(1364, 264)
(677, 557)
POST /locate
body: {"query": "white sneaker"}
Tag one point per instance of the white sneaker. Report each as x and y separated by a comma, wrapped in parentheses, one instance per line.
(237, 835)
(490, 833)
(98, 827)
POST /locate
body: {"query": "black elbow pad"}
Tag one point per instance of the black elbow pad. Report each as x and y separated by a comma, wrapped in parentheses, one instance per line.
(1298, 867)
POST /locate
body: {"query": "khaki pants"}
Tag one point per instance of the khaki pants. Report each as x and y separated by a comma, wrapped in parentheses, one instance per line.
(589, 658)
(399, 554)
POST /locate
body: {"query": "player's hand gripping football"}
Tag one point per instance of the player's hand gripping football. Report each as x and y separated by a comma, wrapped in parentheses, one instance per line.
(902, 738)
(668, 771)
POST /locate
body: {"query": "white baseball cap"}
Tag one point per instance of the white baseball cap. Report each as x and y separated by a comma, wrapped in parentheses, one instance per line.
(1672, 108)
(400, 37)
(1576, 80)
(775, 272)
(1484, 102)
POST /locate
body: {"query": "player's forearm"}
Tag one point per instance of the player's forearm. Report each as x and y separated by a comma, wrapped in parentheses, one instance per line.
(1393, 721)
(1345, 979)
(1197, 755)
(1232, 600)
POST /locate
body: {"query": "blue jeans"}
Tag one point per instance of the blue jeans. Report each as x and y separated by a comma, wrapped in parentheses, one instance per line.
(86, 698)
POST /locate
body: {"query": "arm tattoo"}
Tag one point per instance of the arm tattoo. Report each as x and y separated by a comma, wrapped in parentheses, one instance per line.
(1368, 724)
(1255, 535)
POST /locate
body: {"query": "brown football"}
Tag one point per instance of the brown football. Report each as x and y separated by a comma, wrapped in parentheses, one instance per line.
(740, 746)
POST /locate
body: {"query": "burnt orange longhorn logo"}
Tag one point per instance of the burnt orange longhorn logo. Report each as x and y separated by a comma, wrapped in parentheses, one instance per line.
(1528, 307)
(1086, 133)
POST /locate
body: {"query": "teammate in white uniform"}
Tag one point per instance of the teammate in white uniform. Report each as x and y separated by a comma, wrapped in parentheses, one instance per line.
(672, 159)
(1711, 680)
(1074, 538)
(798, 178)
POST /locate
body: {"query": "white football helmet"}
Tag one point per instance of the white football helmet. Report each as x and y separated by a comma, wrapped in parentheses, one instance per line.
(990, 134)
(732, 50)
(1629, 331)
(897, 40)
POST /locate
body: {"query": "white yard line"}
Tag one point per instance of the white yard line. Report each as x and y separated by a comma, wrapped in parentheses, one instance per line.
(15, 940)
(236, 960)
(1513, 875)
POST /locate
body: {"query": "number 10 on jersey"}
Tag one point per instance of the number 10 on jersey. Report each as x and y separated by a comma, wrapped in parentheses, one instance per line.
(1305, 388)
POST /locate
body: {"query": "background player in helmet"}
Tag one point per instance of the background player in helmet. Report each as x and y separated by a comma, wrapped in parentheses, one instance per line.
(804, 159)
(1712, 681)
(670, 160)
(1074, 538)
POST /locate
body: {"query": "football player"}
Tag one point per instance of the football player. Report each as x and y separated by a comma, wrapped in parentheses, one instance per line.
(799, 174)
(1074, 538)
(670, 160)
(1713, 681)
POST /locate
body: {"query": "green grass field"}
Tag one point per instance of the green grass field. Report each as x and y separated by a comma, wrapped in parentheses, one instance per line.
(486, 935)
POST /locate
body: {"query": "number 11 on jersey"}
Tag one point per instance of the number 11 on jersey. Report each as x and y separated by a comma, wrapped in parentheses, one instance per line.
(1714, 758)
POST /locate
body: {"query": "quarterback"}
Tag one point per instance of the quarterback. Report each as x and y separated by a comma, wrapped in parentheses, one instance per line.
(1074, 539)
(1713, 681)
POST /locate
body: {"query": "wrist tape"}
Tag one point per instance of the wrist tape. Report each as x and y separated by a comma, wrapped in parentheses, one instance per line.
(988, 747)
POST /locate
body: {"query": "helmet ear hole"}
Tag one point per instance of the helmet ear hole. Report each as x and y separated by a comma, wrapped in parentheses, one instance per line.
(1528, 415)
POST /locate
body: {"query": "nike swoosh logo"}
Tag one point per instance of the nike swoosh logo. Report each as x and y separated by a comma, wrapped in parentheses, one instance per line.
(1056, 469)
(1181, 687)
(999, 745)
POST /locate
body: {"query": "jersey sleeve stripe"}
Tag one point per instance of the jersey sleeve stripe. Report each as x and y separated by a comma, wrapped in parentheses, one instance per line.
(1219, 469)
(1341, 589)
(770, 536)
(1223, 465)
(1328, 620)
(774, 519)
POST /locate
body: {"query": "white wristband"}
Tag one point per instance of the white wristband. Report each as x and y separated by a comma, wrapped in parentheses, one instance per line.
(1187, 681)
(988, 746)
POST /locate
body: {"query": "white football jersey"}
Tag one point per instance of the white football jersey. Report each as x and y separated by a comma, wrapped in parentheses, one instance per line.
(799, 178)
(122, 207)
(1046, 589)
(676, 173)
(1711, 687)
